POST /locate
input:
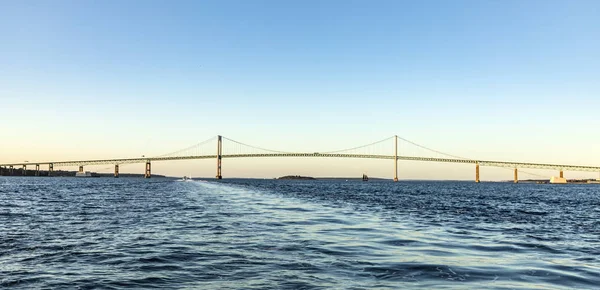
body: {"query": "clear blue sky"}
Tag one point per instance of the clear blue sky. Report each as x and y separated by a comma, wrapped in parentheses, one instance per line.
(516, 80)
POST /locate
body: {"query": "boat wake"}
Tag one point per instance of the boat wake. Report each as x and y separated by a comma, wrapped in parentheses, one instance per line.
(185, 179)
(189, 179)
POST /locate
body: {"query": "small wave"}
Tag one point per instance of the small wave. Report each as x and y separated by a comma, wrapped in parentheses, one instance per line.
(532, 212)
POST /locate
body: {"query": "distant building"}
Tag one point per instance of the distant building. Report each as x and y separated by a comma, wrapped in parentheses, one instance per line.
(83, 174)
(559, 180)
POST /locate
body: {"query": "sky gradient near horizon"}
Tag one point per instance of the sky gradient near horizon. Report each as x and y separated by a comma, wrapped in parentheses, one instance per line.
(503, 80)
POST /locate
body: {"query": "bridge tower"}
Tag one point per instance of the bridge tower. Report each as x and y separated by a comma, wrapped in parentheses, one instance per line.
(219, 153)
(477, 172)
(50, 169)
(24, 170)
(11, 170)
(116, 170)
(396, 158)
(147, 174)
(81, 168)
(516, 176)
(561, 174)
(37, 170)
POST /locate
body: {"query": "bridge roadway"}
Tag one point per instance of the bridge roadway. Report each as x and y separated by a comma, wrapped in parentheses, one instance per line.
(507, 164)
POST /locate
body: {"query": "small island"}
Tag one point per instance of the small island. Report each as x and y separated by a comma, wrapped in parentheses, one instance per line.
(297, 177)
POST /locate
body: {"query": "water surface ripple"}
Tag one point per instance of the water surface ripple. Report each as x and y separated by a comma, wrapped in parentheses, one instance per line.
(264, 234)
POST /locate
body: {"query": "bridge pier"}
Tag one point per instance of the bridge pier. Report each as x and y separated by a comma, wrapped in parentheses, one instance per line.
(477, 172)
(50, 169)
(516, 176)
(24, 170)
(116, 170)
(80, 168)
(219, 153)
(11, 169)
(148, 173)
(561, 174)
(396, 158)
(37, 170)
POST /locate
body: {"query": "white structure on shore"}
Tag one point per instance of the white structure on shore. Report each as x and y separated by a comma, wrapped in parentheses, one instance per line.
(555, 179)
(83, 174)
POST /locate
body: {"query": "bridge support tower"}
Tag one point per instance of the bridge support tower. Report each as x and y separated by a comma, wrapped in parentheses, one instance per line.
(516, 176)
(11, 169)
(219, 153)
(116, 170)
(80, 168)
(50, 169)
(562, 174)
(24, 170)
(396, 158)
(37, 170)
(477, 172)
(148, 171)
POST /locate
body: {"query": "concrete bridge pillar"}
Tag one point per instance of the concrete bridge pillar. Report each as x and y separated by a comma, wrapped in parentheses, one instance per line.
(516, 176)
(396, 158)
(116, 170)
(11, 170)
(219, 153)
(561, 174)
(37, 170)
(148, 173)
(477, 172)
(50, 169)
(81, 168)
(24, 170)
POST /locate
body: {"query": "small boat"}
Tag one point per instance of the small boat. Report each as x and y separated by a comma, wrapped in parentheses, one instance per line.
(365, 177)
(185, 178)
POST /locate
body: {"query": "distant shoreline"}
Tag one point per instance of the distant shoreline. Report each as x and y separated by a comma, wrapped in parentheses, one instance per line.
(296, 177)
(17, 172)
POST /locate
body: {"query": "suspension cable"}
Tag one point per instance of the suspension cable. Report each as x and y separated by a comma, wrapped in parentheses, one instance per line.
(433, 150)
(188, 148)
(358, 147)
(254, 147)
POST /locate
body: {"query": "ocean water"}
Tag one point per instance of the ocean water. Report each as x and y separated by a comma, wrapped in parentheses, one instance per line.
(58, 233)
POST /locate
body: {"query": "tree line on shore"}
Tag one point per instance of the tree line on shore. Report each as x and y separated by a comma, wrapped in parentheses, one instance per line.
(62, 173)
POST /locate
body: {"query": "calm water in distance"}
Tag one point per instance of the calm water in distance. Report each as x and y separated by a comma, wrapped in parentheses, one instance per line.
(275, 234)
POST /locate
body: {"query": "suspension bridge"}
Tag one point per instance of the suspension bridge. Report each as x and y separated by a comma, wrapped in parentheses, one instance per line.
(219, 148)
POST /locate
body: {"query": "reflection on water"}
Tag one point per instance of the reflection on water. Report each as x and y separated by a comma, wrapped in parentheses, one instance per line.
(115, 233)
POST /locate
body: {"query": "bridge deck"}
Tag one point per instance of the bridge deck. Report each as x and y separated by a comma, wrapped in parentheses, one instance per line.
(507, 164)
